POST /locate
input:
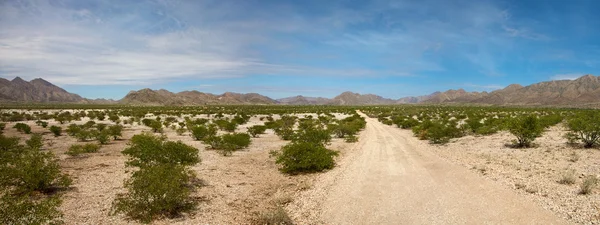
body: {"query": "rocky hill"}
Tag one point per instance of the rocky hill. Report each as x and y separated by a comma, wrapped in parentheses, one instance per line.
(350, 98)
(302, 100)
(579, 92)
(164, 97)
(35, 91)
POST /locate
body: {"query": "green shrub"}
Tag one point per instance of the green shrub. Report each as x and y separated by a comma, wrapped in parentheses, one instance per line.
(474, 124)
(285, 133)
(77, 149)
(156, 125)
(2, 127)
(7, 145)
(585, 127)
(199, 132)
(214, 142)
(43, 124)
(35, 141)
(351, 139)
(73, 129)
(88, 125)
(148, 149)
(313, 135)
(526, 129)
(23, 209)
(85, 135)
(407, 123)
(116, 131)
(102, 136)
(161, 187)
(23, 128)
(27, 169)
(114, 118)
(56, 130)
(256, 130)
(160, 190)
(226, 125)
(235, 141)
(299, 157)
(101, 126)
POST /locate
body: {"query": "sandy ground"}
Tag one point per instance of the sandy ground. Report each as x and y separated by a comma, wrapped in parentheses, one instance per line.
(533, 173)
(235, 189)
(389, 179)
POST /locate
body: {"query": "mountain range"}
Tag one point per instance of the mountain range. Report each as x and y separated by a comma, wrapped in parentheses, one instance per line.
(582, 91)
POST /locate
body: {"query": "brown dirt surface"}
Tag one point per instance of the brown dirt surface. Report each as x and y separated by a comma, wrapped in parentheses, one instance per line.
(392, 179)
(234, 190)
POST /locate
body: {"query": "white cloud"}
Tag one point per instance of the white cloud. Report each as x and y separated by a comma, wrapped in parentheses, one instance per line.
(567, 76)
(74, 43)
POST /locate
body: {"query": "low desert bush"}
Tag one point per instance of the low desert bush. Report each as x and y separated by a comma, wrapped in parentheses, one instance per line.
(568, 177)
(526, 129)
(199, 132)
(156, 125)
(277, 216)
(351, 139)
(102, 136)
(116, 131)
(35, 141)
(155, 191)
(23, 128)
(24, 209)
(148, 149)
(56, 130)
(236, 141)
(41, 123)
(300, 157)
(588, 185)
(162, 185)
(78, 149)
(26, 169)
(585, 127)
(256, 130)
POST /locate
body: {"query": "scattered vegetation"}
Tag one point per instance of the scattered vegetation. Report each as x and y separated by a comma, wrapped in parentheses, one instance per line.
(56, 130)
(23, 128)
(588, 185)
(78, 149)
(584, 127)
(161, 186)
(277, 216)
(29, 183)
(526, 129)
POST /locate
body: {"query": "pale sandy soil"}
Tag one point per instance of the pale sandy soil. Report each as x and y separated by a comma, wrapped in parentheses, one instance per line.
(236, 188)
(533, 173)
(392, 178)
(388, 177)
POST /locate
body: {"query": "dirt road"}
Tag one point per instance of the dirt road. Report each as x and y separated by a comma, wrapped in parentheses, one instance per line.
(389, 180)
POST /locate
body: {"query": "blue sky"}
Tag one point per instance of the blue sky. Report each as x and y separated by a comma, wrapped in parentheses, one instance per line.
(105, 48)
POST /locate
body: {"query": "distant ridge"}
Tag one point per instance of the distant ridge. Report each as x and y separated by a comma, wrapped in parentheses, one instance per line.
(164, 97)
(35, 91)
(583, 91)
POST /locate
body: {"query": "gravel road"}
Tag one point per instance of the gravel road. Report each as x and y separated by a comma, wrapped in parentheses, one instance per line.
(389, 180)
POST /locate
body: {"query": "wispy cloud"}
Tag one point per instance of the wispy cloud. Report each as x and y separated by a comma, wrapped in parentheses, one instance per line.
(150, 42)
(567, 76)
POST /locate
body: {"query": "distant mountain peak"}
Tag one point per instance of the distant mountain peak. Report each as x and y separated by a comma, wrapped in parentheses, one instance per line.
(37, 90)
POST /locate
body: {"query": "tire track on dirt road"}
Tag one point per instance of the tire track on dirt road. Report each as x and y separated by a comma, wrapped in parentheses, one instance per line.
(391, 181)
